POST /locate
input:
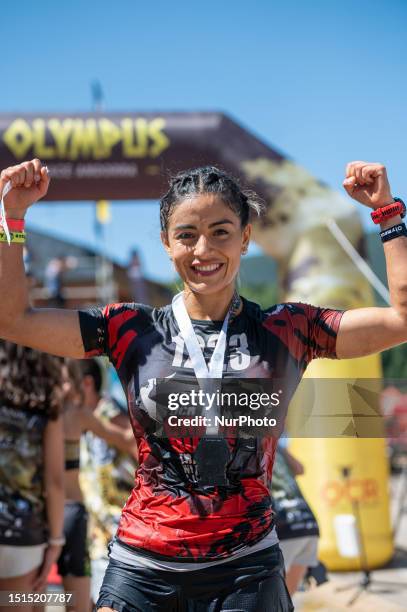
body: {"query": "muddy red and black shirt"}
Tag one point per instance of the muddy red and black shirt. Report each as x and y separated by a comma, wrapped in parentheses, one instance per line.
(166, 515)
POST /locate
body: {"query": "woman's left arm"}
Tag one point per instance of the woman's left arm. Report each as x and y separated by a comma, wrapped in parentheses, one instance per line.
(365, 331)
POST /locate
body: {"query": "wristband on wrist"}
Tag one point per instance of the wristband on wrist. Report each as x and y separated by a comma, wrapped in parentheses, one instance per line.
(15, 237)
(57, 541)
(14, 225)
(390, 210)
(3, 220)
(393, 232)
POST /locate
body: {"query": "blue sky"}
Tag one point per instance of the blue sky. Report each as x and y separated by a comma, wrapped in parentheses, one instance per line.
(323, 81)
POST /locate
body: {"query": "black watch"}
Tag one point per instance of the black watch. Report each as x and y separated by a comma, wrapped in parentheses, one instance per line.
(400, 201)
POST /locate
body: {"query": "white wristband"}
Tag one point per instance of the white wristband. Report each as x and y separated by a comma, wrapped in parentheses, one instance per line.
(57, 541)
(3, 221)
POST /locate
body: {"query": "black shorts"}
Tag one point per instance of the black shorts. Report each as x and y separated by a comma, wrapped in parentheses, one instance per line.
(74, 557)
(254, 583)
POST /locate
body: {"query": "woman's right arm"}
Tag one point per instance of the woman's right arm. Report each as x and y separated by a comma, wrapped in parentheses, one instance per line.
(55, 331)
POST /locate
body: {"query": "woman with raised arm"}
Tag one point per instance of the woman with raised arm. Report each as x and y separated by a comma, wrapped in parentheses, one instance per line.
(181, 516)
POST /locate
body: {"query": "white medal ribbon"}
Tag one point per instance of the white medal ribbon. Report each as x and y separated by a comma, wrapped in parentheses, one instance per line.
(3, 221)
(215, 368)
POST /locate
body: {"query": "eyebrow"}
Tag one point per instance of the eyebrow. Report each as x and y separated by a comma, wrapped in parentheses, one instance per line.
(222, 222)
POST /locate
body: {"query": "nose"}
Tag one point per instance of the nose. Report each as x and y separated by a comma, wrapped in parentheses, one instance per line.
(202, 246)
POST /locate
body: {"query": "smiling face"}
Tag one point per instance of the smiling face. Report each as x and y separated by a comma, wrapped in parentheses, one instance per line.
(205, 241)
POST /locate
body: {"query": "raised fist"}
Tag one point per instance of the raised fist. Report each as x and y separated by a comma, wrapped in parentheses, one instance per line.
(367, 183)
(29, 180)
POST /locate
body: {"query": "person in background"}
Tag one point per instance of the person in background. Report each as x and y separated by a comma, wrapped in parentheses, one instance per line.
(136, 278)
(107, 474)
(74, 562)
(31, 468)
(297, 528)
(54, 275)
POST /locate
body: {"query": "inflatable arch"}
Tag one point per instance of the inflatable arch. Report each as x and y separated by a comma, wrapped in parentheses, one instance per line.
(121, 156)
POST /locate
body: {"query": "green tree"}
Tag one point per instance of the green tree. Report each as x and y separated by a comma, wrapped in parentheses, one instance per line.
(265, 295)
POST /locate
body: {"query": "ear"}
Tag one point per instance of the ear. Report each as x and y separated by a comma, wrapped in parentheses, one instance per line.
(166, 244)
(247, 232)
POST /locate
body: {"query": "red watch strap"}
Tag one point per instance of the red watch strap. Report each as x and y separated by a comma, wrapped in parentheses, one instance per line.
(387, 212)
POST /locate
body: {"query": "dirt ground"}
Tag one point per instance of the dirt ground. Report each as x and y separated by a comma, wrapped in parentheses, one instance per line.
(388, 591)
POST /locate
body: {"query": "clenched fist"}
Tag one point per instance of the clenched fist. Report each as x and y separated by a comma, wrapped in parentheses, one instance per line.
(368, 184)
(29, 180)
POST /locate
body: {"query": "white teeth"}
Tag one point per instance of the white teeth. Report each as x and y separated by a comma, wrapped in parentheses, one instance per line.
(207, 268)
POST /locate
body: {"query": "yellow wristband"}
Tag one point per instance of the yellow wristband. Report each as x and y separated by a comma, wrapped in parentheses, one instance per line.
(16, 237)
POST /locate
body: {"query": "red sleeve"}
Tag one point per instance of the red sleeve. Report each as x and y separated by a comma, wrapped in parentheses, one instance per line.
(93, 326)
(108, 331)
(307, 331)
